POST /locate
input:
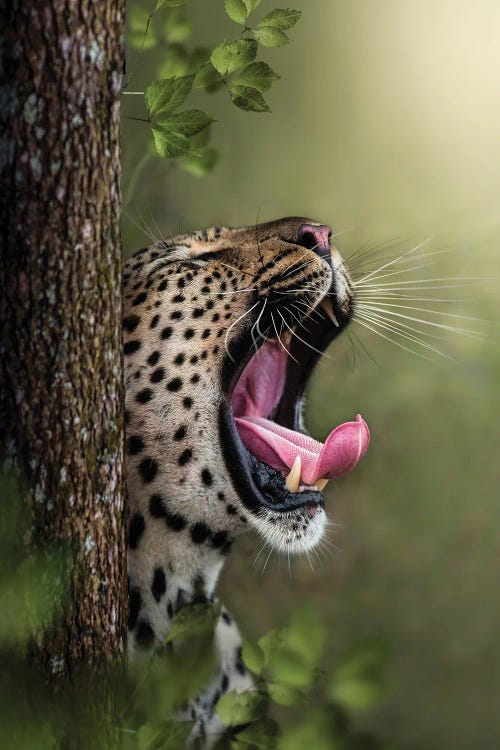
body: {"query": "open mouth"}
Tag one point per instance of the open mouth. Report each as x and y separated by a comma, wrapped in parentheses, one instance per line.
(273, 462)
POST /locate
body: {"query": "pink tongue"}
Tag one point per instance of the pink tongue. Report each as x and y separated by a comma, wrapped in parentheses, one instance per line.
(279, 447)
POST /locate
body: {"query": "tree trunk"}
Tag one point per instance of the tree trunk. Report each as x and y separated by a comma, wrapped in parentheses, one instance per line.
(61, 399)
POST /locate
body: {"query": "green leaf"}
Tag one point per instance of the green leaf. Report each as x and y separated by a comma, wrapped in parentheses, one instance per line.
(357, 695)
(236, 10)
(167, 94)
(230, 57)
(253, 656)
(137, 23)
(252, 5)
(137, 18)
(188, 123)
(201, 161)
(169, 4)
(270, 36)
(248, 99)
(169, 145)
(270, 642)
(139, 40)
(285, 695)
(257, 75)
(357, 683)
(305, 635)
(177, 27)
(261, 734)
(281, 18)
(176, 63)
(239, 708)
(197, 619)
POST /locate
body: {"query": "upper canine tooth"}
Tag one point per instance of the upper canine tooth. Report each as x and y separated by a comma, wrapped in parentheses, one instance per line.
(321, 484)
(326, 306)
(293, 479)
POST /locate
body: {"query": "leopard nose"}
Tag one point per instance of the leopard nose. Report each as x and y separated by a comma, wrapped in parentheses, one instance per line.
(317, 238)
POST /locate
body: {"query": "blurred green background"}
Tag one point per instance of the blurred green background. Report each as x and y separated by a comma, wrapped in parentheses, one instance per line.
(386, 126)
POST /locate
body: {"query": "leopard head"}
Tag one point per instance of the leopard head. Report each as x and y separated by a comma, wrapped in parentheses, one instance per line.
(223, 328)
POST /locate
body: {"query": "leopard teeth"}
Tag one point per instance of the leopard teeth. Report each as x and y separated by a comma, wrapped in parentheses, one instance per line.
(321, 484)
(293, 479)
(326, 306)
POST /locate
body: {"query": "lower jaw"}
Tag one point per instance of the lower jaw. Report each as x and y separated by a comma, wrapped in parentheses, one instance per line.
(259, 485)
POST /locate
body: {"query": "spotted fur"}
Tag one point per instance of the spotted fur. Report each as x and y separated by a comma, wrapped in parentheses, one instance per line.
(188, 302)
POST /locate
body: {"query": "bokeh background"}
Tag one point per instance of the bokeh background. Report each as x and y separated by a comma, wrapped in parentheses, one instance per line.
(386, 126)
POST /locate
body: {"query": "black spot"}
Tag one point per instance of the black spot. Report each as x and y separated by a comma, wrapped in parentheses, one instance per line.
(194, 359)
(181, 283)
(134, 607)
(131, 322)
(195, 378)
(155, 321)
(226, 617)
(215, 317)
(200, 533)
(131, 346)
(180, 433)
(135, 445)
(187, 402)
(156, 506)
(148, 469)
(170, 610)
(140, 298)
(174, 384)
(231, 510)
(199, 594)
(179, 359)
(144, 636)
(135, 530)
(206, 478)
(219, 539)
(163, 285)
(166, 333)
(157, 375)
(153, 358)
(159, 584)
(178, 298)
(175, 521)
(224, 682)
(206, 333)
(177, 315)
(198, 312)
(239, 662)
(210, 304)
(189, 333)
(185, 456)
(144, 396)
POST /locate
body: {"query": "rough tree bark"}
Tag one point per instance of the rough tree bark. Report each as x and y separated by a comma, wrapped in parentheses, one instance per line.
(60, 302)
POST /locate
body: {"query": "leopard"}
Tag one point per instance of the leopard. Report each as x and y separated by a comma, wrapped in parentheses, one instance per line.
(222, 330)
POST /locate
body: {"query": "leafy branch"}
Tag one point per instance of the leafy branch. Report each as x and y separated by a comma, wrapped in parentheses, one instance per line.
(183, 134)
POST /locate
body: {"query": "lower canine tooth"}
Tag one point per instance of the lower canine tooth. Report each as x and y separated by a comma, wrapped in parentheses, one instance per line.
(293, 479)
(326, 306)
(321, 484)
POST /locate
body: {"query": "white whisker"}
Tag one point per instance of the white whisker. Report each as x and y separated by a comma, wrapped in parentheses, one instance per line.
(232, 326)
